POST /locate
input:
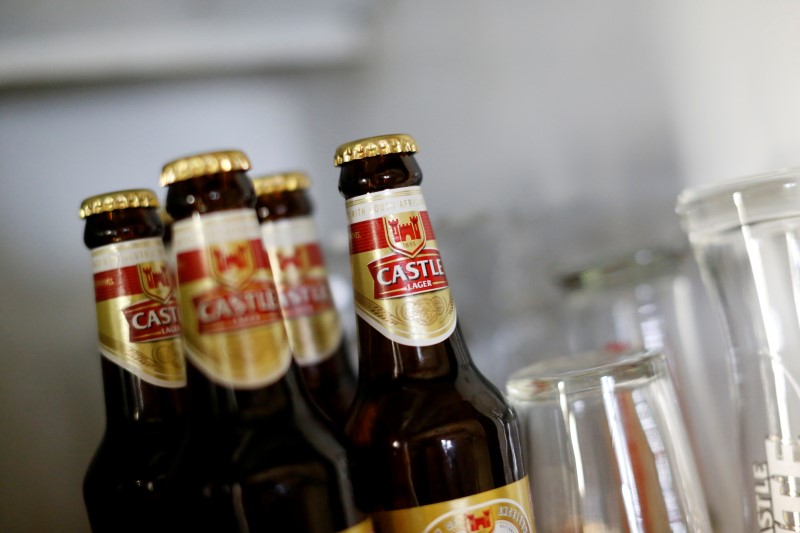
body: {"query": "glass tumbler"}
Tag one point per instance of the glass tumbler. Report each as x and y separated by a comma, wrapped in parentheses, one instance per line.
(746, 239)
(651, 299)
(605, 446)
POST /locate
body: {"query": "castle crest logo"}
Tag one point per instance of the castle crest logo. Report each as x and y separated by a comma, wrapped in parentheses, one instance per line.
(233, 264)
(405, 233)
(155, 280)
(296, 258)
(480, 521)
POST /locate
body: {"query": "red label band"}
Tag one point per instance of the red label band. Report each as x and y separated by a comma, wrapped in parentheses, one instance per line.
(150, 320)
(222, 311)
(116, 283)
(370, 235)
(397, 275)
(193, 265)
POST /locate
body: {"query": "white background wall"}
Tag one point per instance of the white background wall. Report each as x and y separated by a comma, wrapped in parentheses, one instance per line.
(550, 133)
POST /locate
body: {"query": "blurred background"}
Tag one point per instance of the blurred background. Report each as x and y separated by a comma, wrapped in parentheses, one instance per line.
(552, 134)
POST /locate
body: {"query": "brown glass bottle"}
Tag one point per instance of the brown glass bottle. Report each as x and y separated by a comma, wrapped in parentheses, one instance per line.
(258, 459)
(142, 363)
(426, 427)
(320, 349)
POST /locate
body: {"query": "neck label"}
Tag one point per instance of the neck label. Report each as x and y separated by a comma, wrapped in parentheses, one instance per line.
(311, 318)
(399, 281)
(137, 314)
(233, 327)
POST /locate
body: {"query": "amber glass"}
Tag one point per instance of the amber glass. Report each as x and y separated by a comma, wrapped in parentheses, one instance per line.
(124, 488)
(257, 459)
(167, 221)
(425, 426)
(331, 382)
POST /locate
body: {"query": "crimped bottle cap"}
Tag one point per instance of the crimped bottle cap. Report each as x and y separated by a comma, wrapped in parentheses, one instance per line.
(282, 182)
(205, 164)
(112, 201)
(397, 143)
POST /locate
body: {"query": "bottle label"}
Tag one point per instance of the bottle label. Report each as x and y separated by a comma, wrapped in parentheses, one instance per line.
(777, 505)
(362, 527)
(311, 318)
(398, 278)
(232, 323)
(503, 510)
(137, 315)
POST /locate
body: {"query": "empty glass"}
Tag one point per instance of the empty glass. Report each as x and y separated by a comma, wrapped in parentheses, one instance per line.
(652, 299)
(606, 447)
(746, 238)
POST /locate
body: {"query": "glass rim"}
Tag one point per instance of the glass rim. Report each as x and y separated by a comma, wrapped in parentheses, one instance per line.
(584, 371)
(639, 265)
(726, 205)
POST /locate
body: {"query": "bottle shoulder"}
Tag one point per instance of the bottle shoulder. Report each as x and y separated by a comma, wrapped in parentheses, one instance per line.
(278, 464)
(295, 436)
(418, 445)
(415, 410)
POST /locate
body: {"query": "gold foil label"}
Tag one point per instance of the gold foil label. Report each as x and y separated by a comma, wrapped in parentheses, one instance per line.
(232, 323)
(311, 318)
(362, 527)
(503, 510)
(400, 285)
(137, 315)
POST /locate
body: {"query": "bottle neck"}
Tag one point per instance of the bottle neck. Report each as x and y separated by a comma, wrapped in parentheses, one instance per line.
(139, 334)
(407, 326)
(380, 173)
(237, 350)
(238, 356)
(283, 205)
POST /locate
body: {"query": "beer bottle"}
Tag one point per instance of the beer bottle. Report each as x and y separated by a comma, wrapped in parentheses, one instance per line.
(142, 363)
(435, 446)
(312, 321)
(257, 458)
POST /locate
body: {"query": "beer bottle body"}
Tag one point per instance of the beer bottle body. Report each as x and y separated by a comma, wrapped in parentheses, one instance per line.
(142, 365)
(312, 321)
(426, 428)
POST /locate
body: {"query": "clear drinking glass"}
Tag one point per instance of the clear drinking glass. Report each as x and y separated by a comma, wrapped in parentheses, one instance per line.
(651, 299)
(623, 302)
(746, 239)
(606, 447)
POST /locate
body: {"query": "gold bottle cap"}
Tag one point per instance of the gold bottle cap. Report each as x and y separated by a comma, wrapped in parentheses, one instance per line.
(195, 166)
(283, 182)
(397, 143)
(112, 201)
